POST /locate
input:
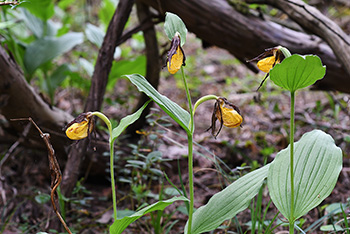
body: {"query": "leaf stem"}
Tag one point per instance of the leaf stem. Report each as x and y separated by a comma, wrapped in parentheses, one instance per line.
(291, 218)
(111, 158)
(190, 154)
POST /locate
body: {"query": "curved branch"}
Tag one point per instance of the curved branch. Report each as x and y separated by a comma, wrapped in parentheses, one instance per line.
(314, 21)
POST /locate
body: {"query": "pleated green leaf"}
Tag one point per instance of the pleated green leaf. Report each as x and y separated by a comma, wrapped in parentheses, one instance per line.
(174, 24)
(47, 48)
(229, 202)
(317, 164)
(297, 72)
(120, 224)
(177, 113)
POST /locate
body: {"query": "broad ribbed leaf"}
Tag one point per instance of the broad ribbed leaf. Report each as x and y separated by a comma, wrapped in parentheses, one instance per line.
(126, 121)
(177, 113)
(35, 24)
(317, 164)
(120, 224)
(174, 24)
(297, 72)
(94, 34)
(47, 48)
(229, 202)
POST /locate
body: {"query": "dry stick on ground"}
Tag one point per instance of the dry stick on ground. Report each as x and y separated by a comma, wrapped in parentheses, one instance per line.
(97, 90)
(55, 171)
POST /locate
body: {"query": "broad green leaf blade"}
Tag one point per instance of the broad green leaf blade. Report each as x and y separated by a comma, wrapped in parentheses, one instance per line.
(44, 9)
(94, 34)
(120, 224)
(178, 114)
(47, 48)
(229, 202)
(35, 25)
(297, 72)
(122, 67)
(59, 75)
(126, 121)
(317, 164)
(106, 11)
(174, 24)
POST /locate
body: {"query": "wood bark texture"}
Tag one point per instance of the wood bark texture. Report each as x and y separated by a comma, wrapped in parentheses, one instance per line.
(312, 20)
(97, 90)
(246, 35)
(19, 100)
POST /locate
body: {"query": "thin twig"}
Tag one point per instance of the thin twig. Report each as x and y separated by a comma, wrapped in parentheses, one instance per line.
(56, 175)
(13, 147)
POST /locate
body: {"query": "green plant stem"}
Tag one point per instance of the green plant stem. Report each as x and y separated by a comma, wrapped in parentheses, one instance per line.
(111, 158)
(291, 219)
(203, 99)
(190, 153)
(190, 181)
(188, 95)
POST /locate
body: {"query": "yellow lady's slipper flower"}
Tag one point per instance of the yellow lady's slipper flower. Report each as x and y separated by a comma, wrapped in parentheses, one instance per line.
(267, 60)
(266, 64)
(80, 127)
(227, 113)
(176, 56)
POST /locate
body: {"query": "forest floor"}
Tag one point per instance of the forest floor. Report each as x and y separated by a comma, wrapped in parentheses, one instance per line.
(25, 178)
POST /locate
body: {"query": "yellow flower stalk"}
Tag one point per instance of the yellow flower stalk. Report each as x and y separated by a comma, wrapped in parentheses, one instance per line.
(176, 56)
(80, 127)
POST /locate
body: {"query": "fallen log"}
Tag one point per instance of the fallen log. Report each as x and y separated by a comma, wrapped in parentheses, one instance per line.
(246, 35)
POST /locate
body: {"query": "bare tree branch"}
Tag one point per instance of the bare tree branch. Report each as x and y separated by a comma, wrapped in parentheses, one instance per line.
(153, 65)
(317, 23)
(97, 90)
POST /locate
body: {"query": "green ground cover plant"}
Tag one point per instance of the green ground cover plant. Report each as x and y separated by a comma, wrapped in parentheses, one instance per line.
(300, 177)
